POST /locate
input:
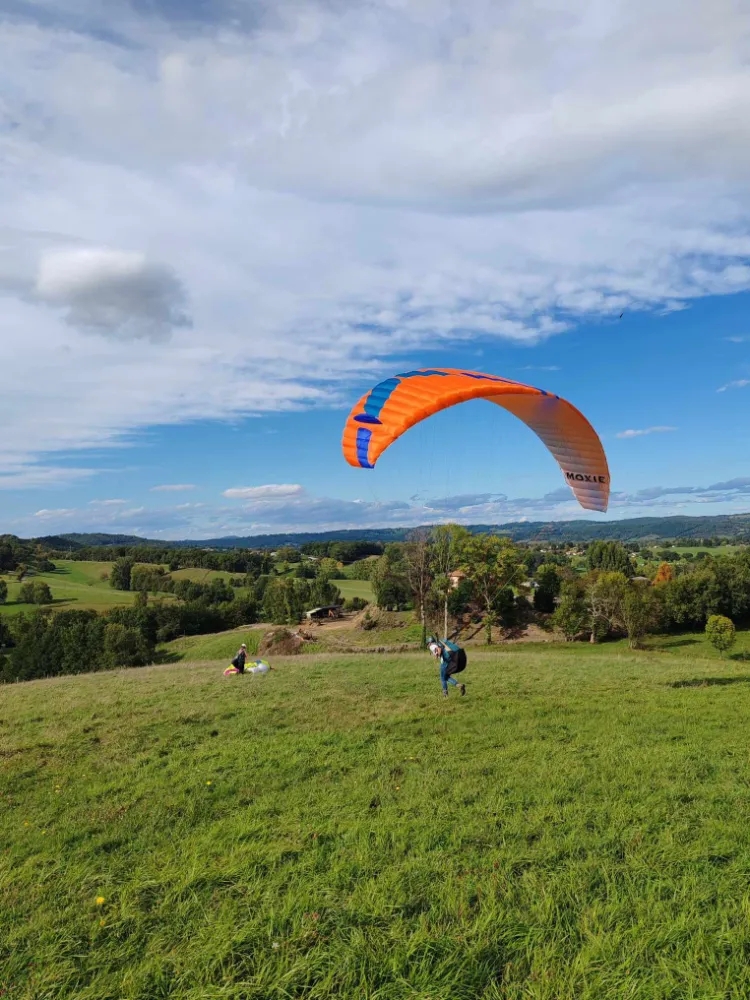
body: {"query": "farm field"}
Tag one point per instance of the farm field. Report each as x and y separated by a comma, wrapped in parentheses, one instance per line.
(577, 828)
(719, 550)
(74, 585)
(198, 575)
(354, 588)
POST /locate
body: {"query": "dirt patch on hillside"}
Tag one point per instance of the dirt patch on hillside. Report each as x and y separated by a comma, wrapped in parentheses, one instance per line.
(280, 642)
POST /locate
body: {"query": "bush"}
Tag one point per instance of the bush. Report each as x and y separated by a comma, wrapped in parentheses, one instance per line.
(355, 604)
(42, 593)
(124, 647)
(570, 616)
(34, 592)
(368, 622)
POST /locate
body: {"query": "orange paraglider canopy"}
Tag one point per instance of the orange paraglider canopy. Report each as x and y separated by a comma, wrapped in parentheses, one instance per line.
(395, 405)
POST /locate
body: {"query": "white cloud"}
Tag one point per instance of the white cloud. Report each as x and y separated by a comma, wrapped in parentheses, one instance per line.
(644, 431)
(109, 503)
(17, 474)
(259, 494)
(111, 292)
(739, 383)
(299, 510)
(737, 340)
(172, 488)
(324, 188)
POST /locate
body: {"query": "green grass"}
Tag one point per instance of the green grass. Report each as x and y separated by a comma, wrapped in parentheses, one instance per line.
(721, 550)
(695, 645)
(354, 588)
(218, 646)
(198, 575)
(577, 828)
(74, 585)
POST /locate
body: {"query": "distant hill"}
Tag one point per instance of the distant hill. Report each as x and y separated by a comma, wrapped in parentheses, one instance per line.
(733, 526)
(77, 540)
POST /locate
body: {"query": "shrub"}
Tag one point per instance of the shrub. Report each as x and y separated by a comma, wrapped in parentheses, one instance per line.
(34, 592)
(355, 604)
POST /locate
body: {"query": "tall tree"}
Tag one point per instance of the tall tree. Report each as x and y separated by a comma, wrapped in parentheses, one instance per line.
(548, 588)
(612, 557)
(389, 583)
(571, 615)
(720, 633)
(605, 594)
(119, 578)
(448, 541)
(419, 567)
(639, 612)
(493, 564)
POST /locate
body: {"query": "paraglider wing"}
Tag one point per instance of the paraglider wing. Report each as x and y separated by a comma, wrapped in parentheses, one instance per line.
(395, 405)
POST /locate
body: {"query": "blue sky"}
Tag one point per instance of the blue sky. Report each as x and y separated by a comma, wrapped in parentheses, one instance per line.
(223, 223)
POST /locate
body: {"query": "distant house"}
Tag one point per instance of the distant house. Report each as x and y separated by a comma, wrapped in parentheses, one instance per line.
(456, 578)
(329, 611)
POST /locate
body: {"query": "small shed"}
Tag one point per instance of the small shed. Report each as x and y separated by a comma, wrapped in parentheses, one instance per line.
(456, 577)
(329, 611)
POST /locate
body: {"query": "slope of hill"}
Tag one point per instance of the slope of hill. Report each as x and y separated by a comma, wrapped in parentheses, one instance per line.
(577, 826)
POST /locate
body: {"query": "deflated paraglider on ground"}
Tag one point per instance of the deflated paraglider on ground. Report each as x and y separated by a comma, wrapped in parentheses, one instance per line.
(251, 667)
(393, 406)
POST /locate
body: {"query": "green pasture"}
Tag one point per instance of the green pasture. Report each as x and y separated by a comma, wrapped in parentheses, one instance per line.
(198, 575)
(355, 588)
(576, 828)
(74, 585)
(721, 550)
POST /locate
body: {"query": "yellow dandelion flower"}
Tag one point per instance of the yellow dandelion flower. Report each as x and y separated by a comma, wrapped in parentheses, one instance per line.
(99, 900)
(102, 923)
(208, 782)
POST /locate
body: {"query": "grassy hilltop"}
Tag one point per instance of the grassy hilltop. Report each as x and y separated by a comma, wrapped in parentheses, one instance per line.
(577, 827)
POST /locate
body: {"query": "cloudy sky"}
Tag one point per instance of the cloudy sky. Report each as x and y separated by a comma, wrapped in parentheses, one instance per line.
(220, 223)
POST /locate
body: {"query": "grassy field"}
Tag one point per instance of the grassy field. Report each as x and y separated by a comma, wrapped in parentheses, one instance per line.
(577, 828)
(354, 588)
(719, 550)
(73, 585)
(198, 575)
